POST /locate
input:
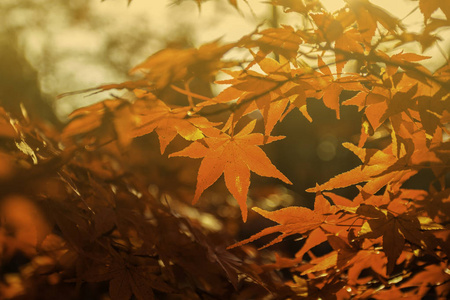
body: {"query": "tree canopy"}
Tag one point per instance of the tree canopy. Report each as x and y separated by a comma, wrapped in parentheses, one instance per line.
(129, 201)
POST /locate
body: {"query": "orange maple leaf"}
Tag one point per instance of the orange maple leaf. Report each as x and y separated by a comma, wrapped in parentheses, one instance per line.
(292, 220)
(379, 168)
(167, 122)
(234, 156)
(95, 121)
(269, 93)
(332, 87)
(432, 275)
(136, 119)
(281, 41)
(367, 15)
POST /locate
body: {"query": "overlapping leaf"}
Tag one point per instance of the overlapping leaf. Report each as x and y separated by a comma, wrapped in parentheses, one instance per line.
(284, 41)
(428, 7)
(332, 87)
(394, 229)
(125, 121)
(167, 122)
(367, 15)
(270, 93)
(292, 220)
(379, 168)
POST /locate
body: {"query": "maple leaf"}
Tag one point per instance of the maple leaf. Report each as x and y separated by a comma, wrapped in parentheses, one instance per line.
(379, 168)
(95, 118)
(393, 240)
(130, 120)
(374, 103)
(348, 42)
(322, 263)
(343, 257)
(167, 122)
(234, 156)
(292, 220)
(254, 91)
(363, 259)
(283, 41)
(431, 275)
(270, 93)
(329, 29)
(427, 7)
(394, 229)
(332, 87)
(401, 59)
(399, 102)
(367, 15)
(315, 237)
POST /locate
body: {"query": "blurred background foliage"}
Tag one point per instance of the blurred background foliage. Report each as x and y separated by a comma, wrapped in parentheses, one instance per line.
(51, 47)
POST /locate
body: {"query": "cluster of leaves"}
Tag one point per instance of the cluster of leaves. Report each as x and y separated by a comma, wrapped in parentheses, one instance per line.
(386, 242)
(77, 224)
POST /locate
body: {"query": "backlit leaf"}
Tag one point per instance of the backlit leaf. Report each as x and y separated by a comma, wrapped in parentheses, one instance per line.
(234, 156)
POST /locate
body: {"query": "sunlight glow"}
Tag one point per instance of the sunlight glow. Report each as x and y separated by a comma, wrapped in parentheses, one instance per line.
(79, 45)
